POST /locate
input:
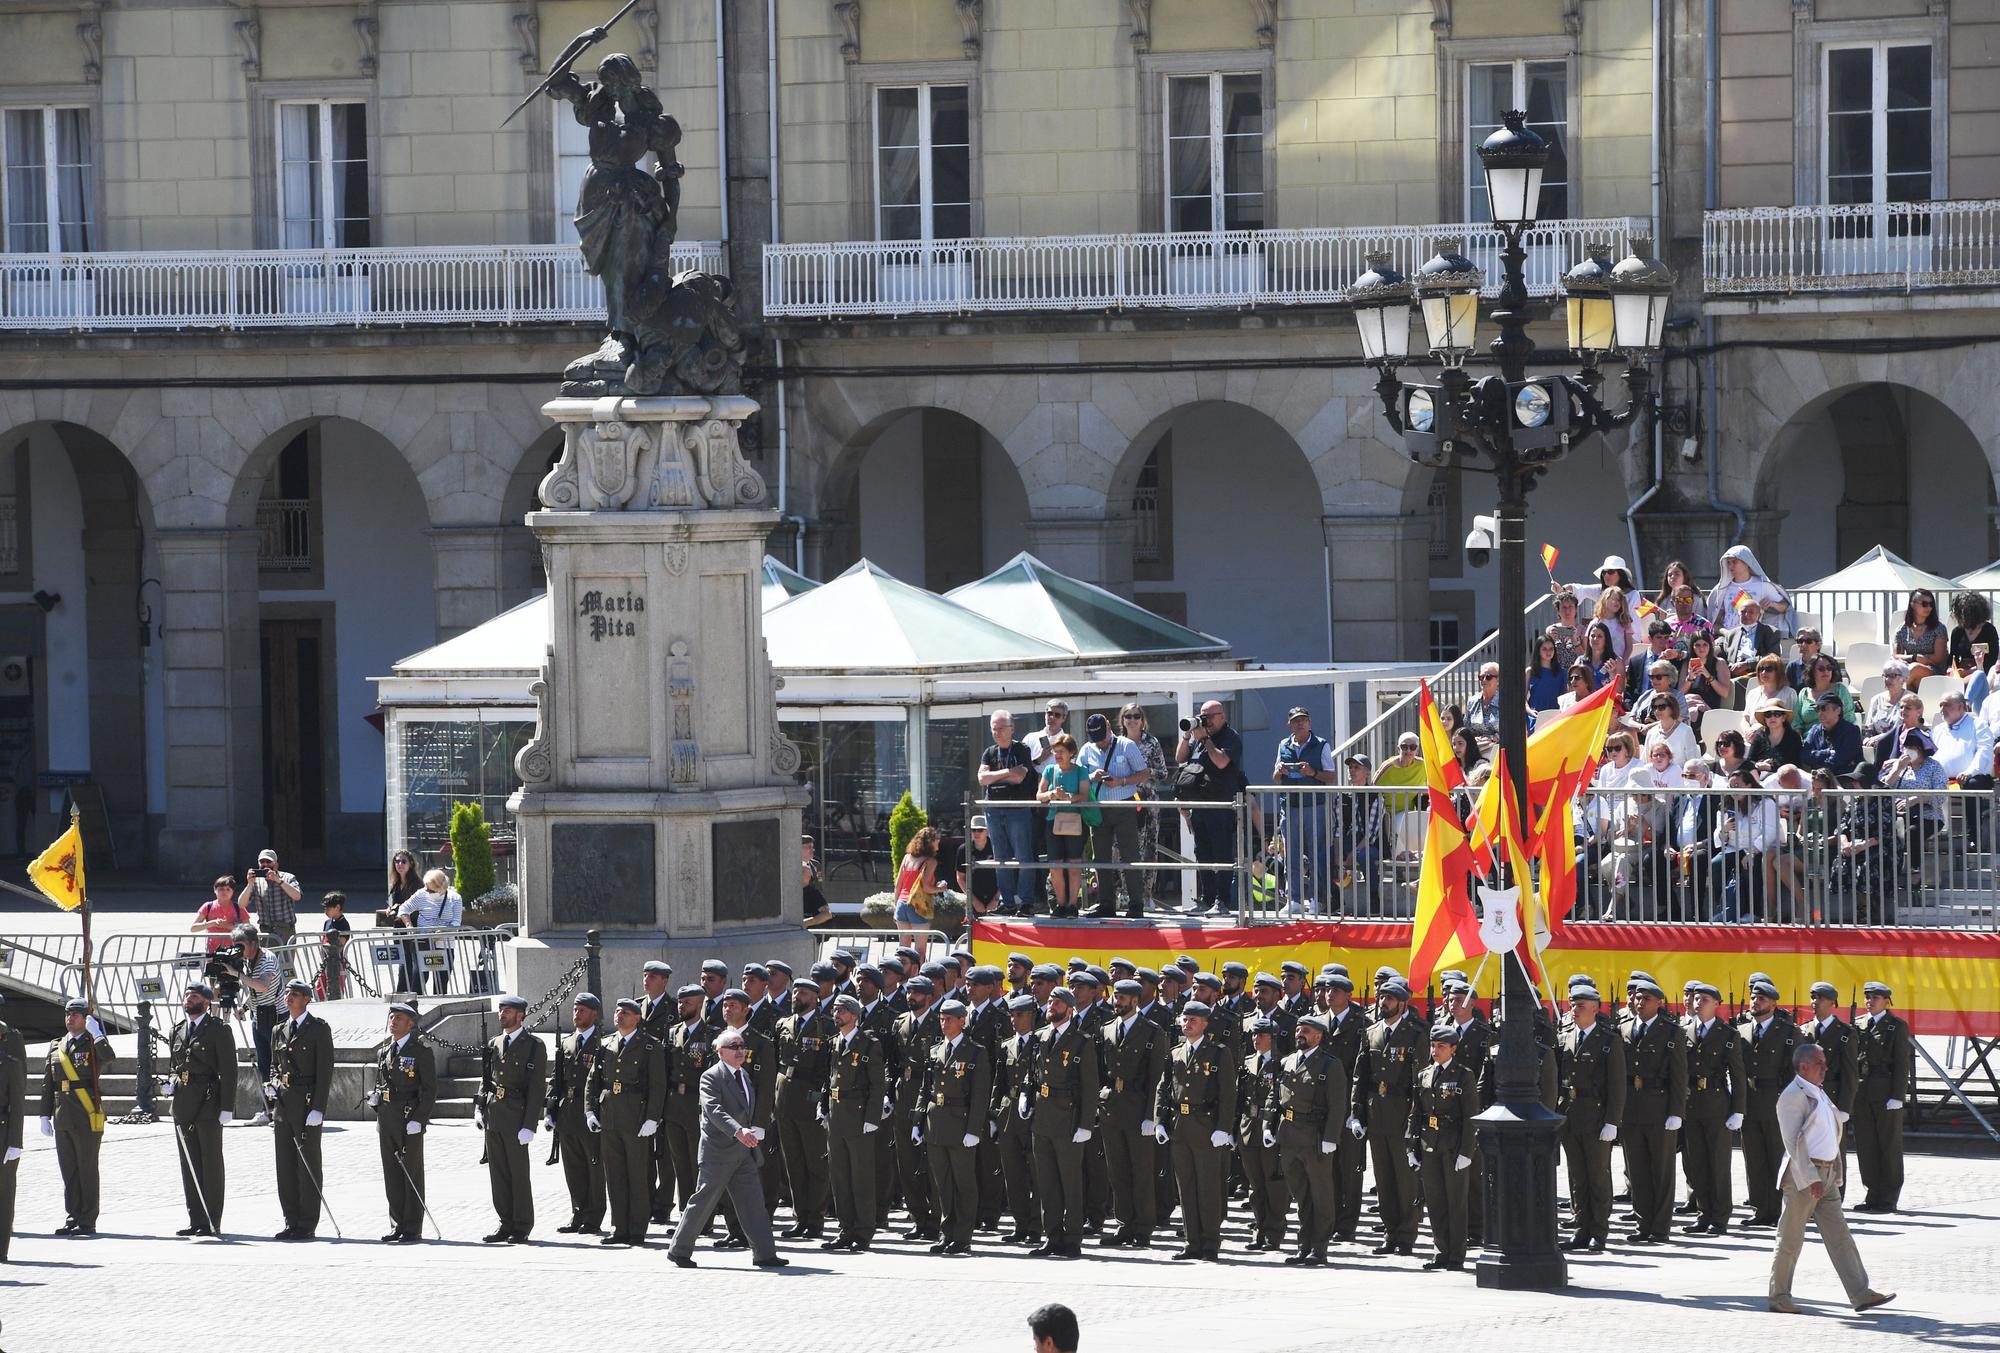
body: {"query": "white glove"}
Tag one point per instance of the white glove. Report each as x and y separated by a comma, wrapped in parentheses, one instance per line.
(13, 1154)
(374, 1099)
(314, 1118)
(1843, 1117)
(916, 1134)
(1608, 1133)
(1270, 1138)
(227, 1118)
(971, 1140)
(549, 1120)
(1892, 1104)
(1022, 1106)
(1733, 1122)
(649, 1127)
(166, 1088)
(820, 1113)
(1354, 1126)
(479, 1119)
(1326, 1148)
(1146, 1128)
(48, 1127)
(993, 1128)
(90, 1023)
(590, 1121)
(1462, 1163)
(1160, 1133)
(1673, 1123)
(758, 1133)
(525, 1135)
(869, 1127)
(413, 1128)
(888, 1106)
(1414, 1162)
(1080, 1136)
(270, 1093)
(1219, 1138)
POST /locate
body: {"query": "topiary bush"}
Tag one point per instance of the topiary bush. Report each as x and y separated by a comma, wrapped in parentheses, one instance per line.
(905, 822)
(471, 852)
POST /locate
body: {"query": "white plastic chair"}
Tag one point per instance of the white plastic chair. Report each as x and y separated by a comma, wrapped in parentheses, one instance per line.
(1864, 660)
(1854, 627)
(1865, 693)
(1716, 722)
(1937, 689)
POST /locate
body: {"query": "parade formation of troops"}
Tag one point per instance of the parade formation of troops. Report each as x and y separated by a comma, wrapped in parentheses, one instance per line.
(1050, 1105)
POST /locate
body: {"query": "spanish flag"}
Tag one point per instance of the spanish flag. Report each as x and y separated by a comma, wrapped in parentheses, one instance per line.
(1549, 553)
(58, 871)
(1446, 928)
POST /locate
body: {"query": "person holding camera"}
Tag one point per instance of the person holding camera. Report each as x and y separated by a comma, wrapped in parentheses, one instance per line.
(273, 895)
(1209, 757)
(246, 964)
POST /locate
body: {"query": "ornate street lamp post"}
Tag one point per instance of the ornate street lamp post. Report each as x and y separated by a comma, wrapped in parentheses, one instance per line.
(1514, 427)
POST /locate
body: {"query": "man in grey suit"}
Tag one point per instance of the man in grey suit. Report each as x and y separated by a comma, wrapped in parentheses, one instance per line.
(1810, 1181)
(731, 1154)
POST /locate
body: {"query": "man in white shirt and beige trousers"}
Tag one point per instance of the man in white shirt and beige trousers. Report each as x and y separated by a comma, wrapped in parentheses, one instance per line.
(1810, 1180)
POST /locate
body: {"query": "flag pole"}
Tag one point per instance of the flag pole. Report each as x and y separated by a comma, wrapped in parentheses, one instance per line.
(83, 906)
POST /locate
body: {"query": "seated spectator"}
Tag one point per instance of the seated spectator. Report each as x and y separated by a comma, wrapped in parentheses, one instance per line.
(1357, 823)
(978, 880)
(1823, 678)
(1882, 712)
(1833, 742)
(1860, 851)
(1600, 654)
(1798, 672)
(1669, 730)
(1775, 743)
(1582, 681)
(1974, 644)
(1770, 684)
(1705, 679)
(1545, 678)
(1921, 811)
(1883, 749)
(1750, 642)
(1640, 666)
(1484, 711)
(1662, 679)
(1732, 753)
(1567, 632)
(1612, 818)
(1921, 640)
(1743, 577)
(1690, 830)
(1617, 617)
(1406, 811)
(1964, 746)
(1612, 573)
(1688, 620)
(1747, 830)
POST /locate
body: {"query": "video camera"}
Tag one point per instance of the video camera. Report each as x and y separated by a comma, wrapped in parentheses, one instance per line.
(224, 971)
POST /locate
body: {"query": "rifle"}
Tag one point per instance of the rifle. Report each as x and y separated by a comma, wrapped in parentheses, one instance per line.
(578, 45)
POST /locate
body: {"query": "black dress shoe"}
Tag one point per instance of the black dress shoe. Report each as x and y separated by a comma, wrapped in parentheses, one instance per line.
(1185, 1254)
(68, 1228)
(1386, 1247)
(1597, 1244)
(682, 1261)
(1259, 1245)
(957, 1247)
(592, 1230)
(568, 1230)
(937, 1246)
(392, 1237)
(1642, 1238)
(1688, 1207)
(1048, 1247)
(859, 1246)
(836, 1244)
(499, 1237)
(409, 1238)
(732, 1243)
(775, 1261)
(613, 1240)
(289, 1233)
(518, 1238)
(1576, 1242)
(1433, 1265)
(793, 1232)
(1301, 1257)
(661, 1217)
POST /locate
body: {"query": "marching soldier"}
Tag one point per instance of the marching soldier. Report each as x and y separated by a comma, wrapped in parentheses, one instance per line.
(1133, 1054)
(1305, 1121)
(513, 1081)
(567, 1115)
(1655, 1099)
(1592, 1069)
(625, 1099)
(1267, 1002)
(1194, 1111)
(763, 1015)
(1225, 1022)
(1013, 1098)
(1263, 1169)
(403, 1097)
(1692, 1172)
(301, 1084)
(1384, 1077)
(13, 1111)
(657, 1015)
(1442, 1107)
(714, 981)
(1717, 1093)
(856, 1094)
(1064, 1108)
(804, 1053)
(1834, 1037)
(201, 1058)
(1767, 1063)
(1347, 1031)
(1884, 1059)
(989, 1027)
(1298, 996)
(690, 1051)
(72, 1113)
(917, 1032)
(958, 1093)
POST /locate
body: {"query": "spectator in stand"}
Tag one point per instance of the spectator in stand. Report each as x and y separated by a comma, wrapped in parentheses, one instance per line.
(1613, 822)
(1007, 772)
(1784, 869)
(1407, 813)
(1653, 866)
(1833, 743)
(818, 910)
(219, 915)
(273, 897)
(1964, 745)
(1775, 743)
(1210, 740)
(1305, 758)
(1159, 788)
(1823, 679)
(1691, 830)
(1861, 845)
(916, 888)
(1888, 745)
(1922, 811)
(977, 878)
(1358, 839)
(405, 881)
(1669, 730)
(1672, 579)
(1613, 572)
(1582, 681)
(1600, 654)
(1640, 666)
(1055, 720)
(1688, 620)
(1742, 574)
(1451, 718)
(1798, 670)
(1065, 787)
(1974, 644)
(1567, 632)
(1705, 680)
(1116, 768)
(1545, 678)
(1484, 711)
(1750, 642)
(1770, 684)
(1882, 710)
(1616, 614)
(436, 908)
(1732, 753)
(1921, 640)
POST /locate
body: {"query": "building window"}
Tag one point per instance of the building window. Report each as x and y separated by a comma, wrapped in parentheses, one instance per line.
(1541, 89)
(1444, 639)
(323, 175)
(1215, 152)
(923, 162)
(1442, 519)
(1877, 133)
(1146, 512)
(572, 158)
(287, 510)
(46, 156)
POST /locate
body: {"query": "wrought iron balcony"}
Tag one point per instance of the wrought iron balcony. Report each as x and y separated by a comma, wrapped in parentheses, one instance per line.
(1899, 246)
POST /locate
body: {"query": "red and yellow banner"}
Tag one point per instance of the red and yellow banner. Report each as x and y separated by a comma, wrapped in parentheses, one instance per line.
(1946, 981)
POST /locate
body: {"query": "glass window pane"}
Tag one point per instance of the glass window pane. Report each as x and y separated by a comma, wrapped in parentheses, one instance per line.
(1846, 191)
(1188, 167)
(951, 174)
(1243, 165)
(1243, 211)
(1187, 106)
(1242, 105)
(1850, 145)
(1909, 187)
(900, 185)
(1190, 213)
(951, 222)
(951, 116)
(1909, 143)
(1909, 77)
(902, 223)
(1850, 79)
(1491, 93)
(1548, 90)
(896, 117)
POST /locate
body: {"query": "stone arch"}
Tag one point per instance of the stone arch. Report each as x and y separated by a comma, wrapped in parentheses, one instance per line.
(849, 415)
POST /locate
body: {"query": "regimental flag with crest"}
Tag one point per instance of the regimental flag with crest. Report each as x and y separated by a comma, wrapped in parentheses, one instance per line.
(1446, 929)
(58, 871)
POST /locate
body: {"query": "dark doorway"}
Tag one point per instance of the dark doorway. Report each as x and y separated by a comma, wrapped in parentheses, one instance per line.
(294, 740)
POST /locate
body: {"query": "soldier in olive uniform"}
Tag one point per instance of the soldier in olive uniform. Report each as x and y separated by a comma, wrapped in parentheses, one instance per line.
(1306, 1121)
(1655, 1100)
(658, 1013)
(300, 1086)
(690, 1051)
(878, 1017)
(13, 1113)
(856, 1090)
(1834, 1036)
(1475, 1054)
(1196, 1111)
(568, 1112)
(1133, 1053)
(989, 1027)
(1013, 1098)
(1093, 1014)
(72, 1112)
(1347, 1026)
(917, 1032)
(1884, 1059)
(1298, 996)
(1591, 1060)
(513, 1081)
(1384, 1077)
(201, 1059)
(1439, 1132)
(1716, 1096)
(1263, 1169)
(625, 1098)
(804, 1052)
(1267, 1002)
(404, 1093)
(957, 1098)
(1062, 1119)
(1767, 1063)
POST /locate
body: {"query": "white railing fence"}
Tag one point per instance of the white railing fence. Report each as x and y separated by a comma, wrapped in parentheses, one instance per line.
(1834, 248)
(1117, 272)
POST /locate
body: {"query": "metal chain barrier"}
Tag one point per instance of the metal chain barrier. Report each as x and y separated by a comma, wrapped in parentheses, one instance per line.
(550, 1000)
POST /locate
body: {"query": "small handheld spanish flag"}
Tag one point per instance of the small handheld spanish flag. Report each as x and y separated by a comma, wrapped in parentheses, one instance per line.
(1647, 608)
(1549, 553)
(58, 871)
(1740, 600)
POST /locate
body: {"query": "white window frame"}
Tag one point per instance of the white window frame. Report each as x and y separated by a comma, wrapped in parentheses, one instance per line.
(1878, 114)
(1218, 195)
(52, 174)
(1473, 172)
(329, 219)
(926, 194)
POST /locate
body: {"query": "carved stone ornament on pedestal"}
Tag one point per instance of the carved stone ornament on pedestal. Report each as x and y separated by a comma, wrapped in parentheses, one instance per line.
(638, 455)
(535, 763)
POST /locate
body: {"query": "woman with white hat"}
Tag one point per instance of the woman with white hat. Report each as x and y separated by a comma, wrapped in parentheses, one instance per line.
(1613, 572)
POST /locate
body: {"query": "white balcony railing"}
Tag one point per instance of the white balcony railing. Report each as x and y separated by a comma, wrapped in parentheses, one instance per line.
(1127, 272)
(1907, 246)
(334, 288)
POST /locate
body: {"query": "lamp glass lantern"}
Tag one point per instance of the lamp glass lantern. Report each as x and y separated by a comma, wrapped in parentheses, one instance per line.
(1640, 288)
(1587, 300)
(1448, 293)
(1514, 158)
(1381, 301)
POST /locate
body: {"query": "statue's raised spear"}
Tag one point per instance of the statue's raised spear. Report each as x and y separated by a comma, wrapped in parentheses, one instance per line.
(578, 45)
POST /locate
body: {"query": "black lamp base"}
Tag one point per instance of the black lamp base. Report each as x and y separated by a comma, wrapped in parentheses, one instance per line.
(1519, 1144)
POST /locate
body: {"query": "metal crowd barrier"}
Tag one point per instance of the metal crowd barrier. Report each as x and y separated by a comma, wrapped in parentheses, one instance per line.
(871, 945)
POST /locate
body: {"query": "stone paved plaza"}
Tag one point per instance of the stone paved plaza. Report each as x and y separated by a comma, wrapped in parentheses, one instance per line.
(136, 1287)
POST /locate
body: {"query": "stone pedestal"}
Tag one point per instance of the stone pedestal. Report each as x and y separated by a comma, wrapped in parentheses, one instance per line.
(658, 800)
